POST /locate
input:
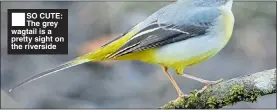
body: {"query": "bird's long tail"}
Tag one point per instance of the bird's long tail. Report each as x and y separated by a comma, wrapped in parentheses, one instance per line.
(63, 66)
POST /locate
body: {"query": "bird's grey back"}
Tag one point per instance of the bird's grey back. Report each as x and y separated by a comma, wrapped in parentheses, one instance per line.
(180, 13)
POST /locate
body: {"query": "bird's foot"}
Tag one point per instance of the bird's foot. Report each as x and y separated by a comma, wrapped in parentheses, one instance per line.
(208, 84)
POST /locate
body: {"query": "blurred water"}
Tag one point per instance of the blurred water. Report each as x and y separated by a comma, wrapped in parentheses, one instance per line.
(131, 84)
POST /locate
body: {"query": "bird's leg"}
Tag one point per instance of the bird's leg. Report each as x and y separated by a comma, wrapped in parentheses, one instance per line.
(206, 82)
(180, 93)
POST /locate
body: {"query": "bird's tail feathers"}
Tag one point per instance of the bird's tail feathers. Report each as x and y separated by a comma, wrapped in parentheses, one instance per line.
(74, 62)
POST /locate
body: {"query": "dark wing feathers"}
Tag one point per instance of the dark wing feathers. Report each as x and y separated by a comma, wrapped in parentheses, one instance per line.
(166, 27)
(165, 34)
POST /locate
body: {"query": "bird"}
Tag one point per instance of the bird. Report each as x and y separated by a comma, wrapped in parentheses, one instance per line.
(181, 34)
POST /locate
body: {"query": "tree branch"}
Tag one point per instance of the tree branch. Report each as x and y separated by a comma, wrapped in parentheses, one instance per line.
(246, 88)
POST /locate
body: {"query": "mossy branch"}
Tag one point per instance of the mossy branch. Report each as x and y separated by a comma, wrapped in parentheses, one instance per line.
(246, 88)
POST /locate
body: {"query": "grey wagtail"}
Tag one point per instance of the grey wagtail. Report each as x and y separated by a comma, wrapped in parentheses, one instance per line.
(181, 34)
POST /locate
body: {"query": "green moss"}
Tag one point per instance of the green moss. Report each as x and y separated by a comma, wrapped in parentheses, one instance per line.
(240, 93)
(192, 100)
(212, 102)
(236, 93)
(269, 92)
(170, 105)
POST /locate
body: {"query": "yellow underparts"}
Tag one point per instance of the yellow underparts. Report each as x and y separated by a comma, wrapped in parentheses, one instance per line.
(180, 65)
(145, 56)
(149, 57)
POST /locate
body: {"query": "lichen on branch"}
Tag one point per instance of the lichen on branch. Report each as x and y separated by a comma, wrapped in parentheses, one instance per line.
(246, 88)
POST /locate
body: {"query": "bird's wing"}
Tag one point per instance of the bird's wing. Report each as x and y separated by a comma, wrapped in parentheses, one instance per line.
(169, 27)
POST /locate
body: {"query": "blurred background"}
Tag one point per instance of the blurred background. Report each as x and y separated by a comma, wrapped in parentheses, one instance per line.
(130, 84)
